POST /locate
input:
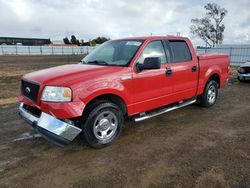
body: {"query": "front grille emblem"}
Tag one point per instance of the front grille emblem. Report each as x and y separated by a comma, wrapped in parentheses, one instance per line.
(27, 90)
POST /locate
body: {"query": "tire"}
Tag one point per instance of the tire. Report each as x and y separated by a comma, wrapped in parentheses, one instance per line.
(102, 124)
(210, 94)
(241, 80)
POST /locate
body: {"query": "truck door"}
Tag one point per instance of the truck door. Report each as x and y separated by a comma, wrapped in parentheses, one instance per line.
(183, 68)
(151, 87)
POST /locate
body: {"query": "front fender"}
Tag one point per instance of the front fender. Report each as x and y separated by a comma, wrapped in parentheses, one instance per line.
(106, 92)
(95, 88)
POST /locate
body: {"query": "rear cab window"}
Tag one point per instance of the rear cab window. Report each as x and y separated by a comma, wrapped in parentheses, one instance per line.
(180, 51)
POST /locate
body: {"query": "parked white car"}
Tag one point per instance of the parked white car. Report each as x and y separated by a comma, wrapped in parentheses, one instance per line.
(244, 72)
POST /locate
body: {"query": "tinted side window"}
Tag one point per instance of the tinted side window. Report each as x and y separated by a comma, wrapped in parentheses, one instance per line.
(153, 49)
(181, 52)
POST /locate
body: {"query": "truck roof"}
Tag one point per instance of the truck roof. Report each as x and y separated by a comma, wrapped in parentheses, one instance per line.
(155, 38)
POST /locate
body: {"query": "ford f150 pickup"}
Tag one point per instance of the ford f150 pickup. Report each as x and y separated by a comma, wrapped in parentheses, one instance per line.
(140, 77)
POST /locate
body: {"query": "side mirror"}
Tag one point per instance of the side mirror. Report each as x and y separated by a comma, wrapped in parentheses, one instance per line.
(149, 63)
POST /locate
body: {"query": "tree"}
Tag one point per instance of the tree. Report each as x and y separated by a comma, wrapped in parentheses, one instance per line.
(78, 42)
(92, 43)
(210, 28)
(82, 42)
(85, 43)
(73, 39)
(66, 40)
(100, 40)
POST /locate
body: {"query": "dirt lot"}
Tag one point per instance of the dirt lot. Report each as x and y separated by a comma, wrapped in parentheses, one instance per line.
(189, 147)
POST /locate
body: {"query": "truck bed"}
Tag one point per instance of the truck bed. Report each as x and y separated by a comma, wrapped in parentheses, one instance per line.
(213, 62)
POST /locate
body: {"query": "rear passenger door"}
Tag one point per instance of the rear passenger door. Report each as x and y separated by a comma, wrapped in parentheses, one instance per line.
(183, 69)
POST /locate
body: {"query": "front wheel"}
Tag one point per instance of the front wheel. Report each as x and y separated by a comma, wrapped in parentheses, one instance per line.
(102, 125)
(240, 79)
(209, 96)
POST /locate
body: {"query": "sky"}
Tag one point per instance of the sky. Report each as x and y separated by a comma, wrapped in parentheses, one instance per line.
(88, 19)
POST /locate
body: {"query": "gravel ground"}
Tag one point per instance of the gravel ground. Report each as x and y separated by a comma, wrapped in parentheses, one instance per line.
(189, 147)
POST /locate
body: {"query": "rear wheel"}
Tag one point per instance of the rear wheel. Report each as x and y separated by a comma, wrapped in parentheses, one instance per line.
(209, 96)
(102, 124)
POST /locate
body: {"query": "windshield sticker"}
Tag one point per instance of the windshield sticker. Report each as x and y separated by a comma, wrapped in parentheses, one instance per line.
(134, 43)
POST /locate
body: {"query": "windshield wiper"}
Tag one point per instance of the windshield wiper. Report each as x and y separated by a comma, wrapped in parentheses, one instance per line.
(98, 62)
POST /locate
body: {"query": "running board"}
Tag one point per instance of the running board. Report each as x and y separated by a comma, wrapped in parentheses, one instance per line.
(164, 110)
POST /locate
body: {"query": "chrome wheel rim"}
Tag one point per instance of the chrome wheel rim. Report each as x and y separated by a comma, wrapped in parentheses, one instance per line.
(211, 95)
(105, 125)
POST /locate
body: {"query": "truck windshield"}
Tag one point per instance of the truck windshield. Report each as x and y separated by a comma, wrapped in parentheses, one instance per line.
(113, 53)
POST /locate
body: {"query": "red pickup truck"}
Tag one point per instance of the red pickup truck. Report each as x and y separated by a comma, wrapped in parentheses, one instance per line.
(140, 77)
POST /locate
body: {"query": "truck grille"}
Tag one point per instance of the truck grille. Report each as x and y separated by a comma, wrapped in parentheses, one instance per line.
(30, 90)
(247, 69)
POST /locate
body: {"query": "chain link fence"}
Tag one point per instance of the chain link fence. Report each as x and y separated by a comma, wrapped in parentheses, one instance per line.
(239, 54)
(44, 50)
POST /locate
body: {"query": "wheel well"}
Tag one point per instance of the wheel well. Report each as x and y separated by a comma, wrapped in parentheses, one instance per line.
(112, 98)
(216, 78)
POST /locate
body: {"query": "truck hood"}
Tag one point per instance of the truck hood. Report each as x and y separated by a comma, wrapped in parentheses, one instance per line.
(247, 64)
(66, 74)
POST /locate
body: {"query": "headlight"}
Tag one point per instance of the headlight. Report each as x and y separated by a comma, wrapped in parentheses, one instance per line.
(57, 94)
(241, 70)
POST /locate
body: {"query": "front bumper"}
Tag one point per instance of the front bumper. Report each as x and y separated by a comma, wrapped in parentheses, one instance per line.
(51, 128)
(244, 76)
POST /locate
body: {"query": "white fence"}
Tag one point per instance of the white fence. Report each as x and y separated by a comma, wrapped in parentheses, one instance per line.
(43, 50)
(238, 53)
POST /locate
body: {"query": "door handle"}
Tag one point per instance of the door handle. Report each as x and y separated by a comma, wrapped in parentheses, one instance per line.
(194, 68)
(169, 72)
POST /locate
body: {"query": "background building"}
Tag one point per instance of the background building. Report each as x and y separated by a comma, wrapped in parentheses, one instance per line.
(24, 41)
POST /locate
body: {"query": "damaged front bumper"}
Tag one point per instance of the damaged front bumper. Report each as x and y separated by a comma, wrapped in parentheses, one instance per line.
(51, 128)
(245, 76)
